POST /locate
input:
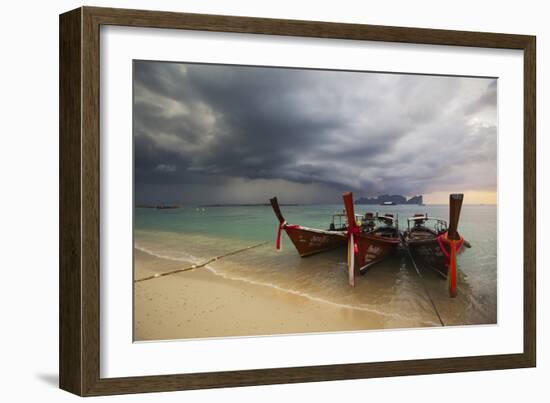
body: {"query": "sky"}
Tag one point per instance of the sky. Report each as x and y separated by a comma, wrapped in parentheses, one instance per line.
(206, 134)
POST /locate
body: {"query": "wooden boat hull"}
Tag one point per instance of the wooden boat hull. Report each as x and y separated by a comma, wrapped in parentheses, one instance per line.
(309, 241)
(436, 247)
(372, 249)
(428, 254)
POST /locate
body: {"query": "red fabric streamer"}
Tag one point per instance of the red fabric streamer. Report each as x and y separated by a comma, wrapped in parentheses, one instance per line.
(443, 239)
(455, 246)
(451, 276)
(355, 231)
(283, 225)
(279, 233)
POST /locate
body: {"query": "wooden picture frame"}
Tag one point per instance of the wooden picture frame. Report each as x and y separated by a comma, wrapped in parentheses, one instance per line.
(80, 185)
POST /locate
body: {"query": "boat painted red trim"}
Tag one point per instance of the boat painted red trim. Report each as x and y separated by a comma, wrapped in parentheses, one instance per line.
(307, 241)
(434, 246)
(368, 244)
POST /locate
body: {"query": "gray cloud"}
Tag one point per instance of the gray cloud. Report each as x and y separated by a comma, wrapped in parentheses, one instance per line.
(213, 133)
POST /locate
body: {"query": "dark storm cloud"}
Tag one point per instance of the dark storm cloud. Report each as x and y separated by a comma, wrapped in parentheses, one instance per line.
(486, 100)
(203, 127)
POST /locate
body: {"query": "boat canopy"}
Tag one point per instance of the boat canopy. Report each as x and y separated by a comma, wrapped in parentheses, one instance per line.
(420, 220)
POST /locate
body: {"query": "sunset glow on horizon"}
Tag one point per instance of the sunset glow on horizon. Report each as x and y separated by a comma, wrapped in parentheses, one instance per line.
(470, 197)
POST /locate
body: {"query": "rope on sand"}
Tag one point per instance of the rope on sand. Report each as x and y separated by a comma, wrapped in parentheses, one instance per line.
(196, 266)
(425, 288)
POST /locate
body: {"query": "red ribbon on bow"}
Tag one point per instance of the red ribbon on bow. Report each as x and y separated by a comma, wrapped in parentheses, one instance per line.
(279, 233)
(443, 239)
(455, 246)
(282, 225)
(353, 233)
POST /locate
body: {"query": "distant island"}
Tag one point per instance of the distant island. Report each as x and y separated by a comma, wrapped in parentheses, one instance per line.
(161, 206)
(247, 204)
(380, 200)
(390, 200)
(164, 206)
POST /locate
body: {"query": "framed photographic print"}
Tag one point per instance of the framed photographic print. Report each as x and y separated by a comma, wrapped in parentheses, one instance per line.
(249, 201)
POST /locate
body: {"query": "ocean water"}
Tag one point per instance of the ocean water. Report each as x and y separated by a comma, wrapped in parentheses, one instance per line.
(392, 288)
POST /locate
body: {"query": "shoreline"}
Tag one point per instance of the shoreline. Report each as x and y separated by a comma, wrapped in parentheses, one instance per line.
(201, 304)
(263, 292)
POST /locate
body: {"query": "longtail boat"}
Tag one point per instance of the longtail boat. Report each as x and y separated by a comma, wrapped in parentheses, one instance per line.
(435, 246)
(309, 241)
(369, 241)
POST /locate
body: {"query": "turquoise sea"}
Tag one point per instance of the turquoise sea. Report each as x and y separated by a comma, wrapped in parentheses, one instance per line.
(392, 288)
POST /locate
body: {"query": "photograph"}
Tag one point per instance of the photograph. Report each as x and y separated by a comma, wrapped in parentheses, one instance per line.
(274, 200)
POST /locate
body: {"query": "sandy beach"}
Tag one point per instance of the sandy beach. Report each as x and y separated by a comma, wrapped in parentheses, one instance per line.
(255, 290)
(198, 304)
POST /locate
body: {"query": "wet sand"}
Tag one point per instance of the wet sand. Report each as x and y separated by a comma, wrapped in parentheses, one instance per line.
(198, 304)
(262, 291)
(206, 302)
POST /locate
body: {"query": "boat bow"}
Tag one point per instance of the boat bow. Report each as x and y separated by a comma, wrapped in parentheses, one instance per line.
(454, 239)
(308, 241)
(353, 233)
(282, 221)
